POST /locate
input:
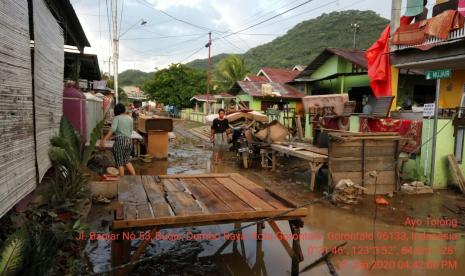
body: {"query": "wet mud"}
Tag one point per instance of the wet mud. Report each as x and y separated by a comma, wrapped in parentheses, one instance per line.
(413, 235)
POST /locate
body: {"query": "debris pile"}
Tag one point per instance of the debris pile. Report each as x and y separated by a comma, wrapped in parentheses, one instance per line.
(347, 192)
(416, 188)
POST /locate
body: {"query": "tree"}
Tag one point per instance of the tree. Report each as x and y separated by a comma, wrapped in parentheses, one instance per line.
(176, 85)
(229, 70)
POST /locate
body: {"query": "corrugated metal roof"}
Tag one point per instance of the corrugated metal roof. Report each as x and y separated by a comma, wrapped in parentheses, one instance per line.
(255, 89)
(279, 75)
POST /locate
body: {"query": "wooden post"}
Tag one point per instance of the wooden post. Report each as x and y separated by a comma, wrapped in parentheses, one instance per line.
(273, 160)
(314, 169)
(299, 128)
(259, 263)
(120, 249)
(298, 255)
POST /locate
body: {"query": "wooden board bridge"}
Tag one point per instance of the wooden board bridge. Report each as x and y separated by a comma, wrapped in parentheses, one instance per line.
(174, 201)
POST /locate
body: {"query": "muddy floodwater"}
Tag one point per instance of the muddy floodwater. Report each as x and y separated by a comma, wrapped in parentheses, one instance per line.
(413, 235)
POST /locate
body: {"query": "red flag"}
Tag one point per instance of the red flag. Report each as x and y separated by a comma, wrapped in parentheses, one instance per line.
(379, 64)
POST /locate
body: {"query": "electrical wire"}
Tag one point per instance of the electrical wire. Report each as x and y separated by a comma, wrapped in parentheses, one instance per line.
(121, 18)
(191, 55)
(268, 19)
(147, 4)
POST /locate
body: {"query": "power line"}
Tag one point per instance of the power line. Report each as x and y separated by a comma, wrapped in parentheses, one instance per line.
(121, 18)
(147, 4)
(159, 37)
(195, 52)
(268, 19)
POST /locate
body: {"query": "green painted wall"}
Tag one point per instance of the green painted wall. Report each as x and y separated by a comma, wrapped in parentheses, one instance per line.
(255, 103)
(444, 147)
(330, 67)
(341, 84)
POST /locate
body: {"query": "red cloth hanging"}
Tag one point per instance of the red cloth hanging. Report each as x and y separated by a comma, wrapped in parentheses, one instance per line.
(378, 61)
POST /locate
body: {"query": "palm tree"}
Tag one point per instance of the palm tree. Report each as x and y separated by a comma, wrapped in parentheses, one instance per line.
(229, 70)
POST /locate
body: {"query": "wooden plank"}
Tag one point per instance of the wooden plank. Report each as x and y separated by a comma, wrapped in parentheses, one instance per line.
(457, 175)
(305, 146)
(285, 244)
(357, 151)
(306, 155)
(131, 190)
(172, 185)
(355, 164)
(259, 191)
(251, 199)
(229, 198)
(205, 196)
(183, 204)
(156, 196)
(137, 211)
(181, 176)
(210, 218)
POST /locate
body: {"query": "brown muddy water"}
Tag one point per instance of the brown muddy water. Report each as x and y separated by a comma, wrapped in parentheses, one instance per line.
(400, 249)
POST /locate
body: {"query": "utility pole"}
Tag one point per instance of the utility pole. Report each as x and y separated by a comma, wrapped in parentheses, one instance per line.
(355, 27)
(209, 45)
(114, 16)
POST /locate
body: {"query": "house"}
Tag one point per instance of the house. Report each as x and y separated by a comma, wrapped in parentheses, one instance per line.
(81, 68)
(254, 95)
(208, 104)
(32, 104)
(435, 49)
(344, 71)
(134, 93)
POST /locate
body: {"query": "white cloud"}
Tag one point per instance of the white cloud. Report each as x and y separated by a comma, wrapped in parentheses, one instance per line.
(222, 15)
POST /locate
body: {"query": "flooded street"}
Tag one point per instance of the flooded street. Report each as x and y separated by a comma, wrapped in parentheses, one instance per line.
(398, 249)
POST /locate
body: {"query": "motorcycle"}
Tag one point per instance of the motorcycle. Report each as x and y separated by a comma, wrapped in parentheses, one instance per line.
(244, 145)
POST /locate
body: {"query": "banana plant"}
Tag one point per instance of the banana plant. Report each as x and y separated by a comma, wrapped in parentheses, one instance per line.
(12, 255)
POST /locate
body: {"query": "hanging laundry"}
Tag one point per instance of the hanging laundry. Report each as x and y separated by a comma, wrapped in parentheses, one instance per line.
(410, 34)
(461, 7)
(441, 25)
(414, 7)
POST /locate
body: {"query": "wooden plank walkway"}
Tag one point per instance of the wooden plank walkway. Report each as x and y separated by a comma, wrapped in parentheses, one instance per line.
(172, 201)
(316, 159)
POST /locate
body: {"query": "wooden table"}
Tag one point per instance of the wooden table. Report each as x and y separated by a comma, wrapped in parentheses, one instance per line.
(316, 160)
(172, 201)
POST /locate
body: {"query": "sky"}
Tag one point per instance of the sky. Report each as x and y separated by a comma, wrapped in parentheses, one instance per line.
(164, 40)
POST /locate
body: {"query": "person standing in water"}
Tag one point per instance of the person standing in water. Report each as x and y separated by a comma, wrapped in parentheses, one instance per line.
(121, 129)
(219, 137)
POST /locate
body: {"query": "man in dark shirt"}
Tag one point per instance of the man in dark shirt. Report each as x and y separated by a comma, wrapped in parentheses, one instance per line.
(219, 137)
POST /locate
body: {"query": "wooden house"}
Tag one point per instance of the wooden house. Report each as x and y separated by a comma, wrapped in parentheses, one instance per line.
(31, 104)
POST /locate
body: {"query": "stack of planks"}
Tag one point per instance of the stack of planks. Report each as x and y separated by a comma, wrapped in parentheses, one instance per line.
(457, 175)
(185, 200)
(367, 159)
(203, 132)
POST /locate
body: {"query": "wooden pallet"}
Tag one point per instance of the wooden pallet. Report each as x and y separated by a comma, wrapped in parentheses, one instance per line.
(171, 201)
(203, 132)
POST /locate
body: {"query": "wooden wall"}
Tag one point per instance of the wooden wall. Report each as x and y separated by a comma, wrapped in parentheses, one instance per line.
(356, 160)
(48, 80)
(17, 158)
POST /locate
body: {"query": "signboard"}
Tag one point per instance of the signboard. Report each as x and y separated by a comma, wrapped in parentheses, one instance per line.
(439, 74)
(428, 110)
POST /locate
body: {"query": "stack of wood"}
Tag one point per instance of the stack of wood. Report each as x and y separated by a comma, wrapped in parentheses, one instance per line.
(457, 175)
(357, 156)
(347, 192)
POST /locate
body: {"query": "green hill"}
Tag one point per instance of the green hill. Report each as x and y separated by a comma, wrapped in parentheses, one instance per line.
(306, 40)
(133, 77)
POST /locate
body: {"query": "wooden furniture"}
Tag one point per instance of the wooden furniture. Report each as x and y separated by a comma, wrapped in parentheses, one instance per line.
(368, 159)
(172, 201)
(146, 124)
(306, 152)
